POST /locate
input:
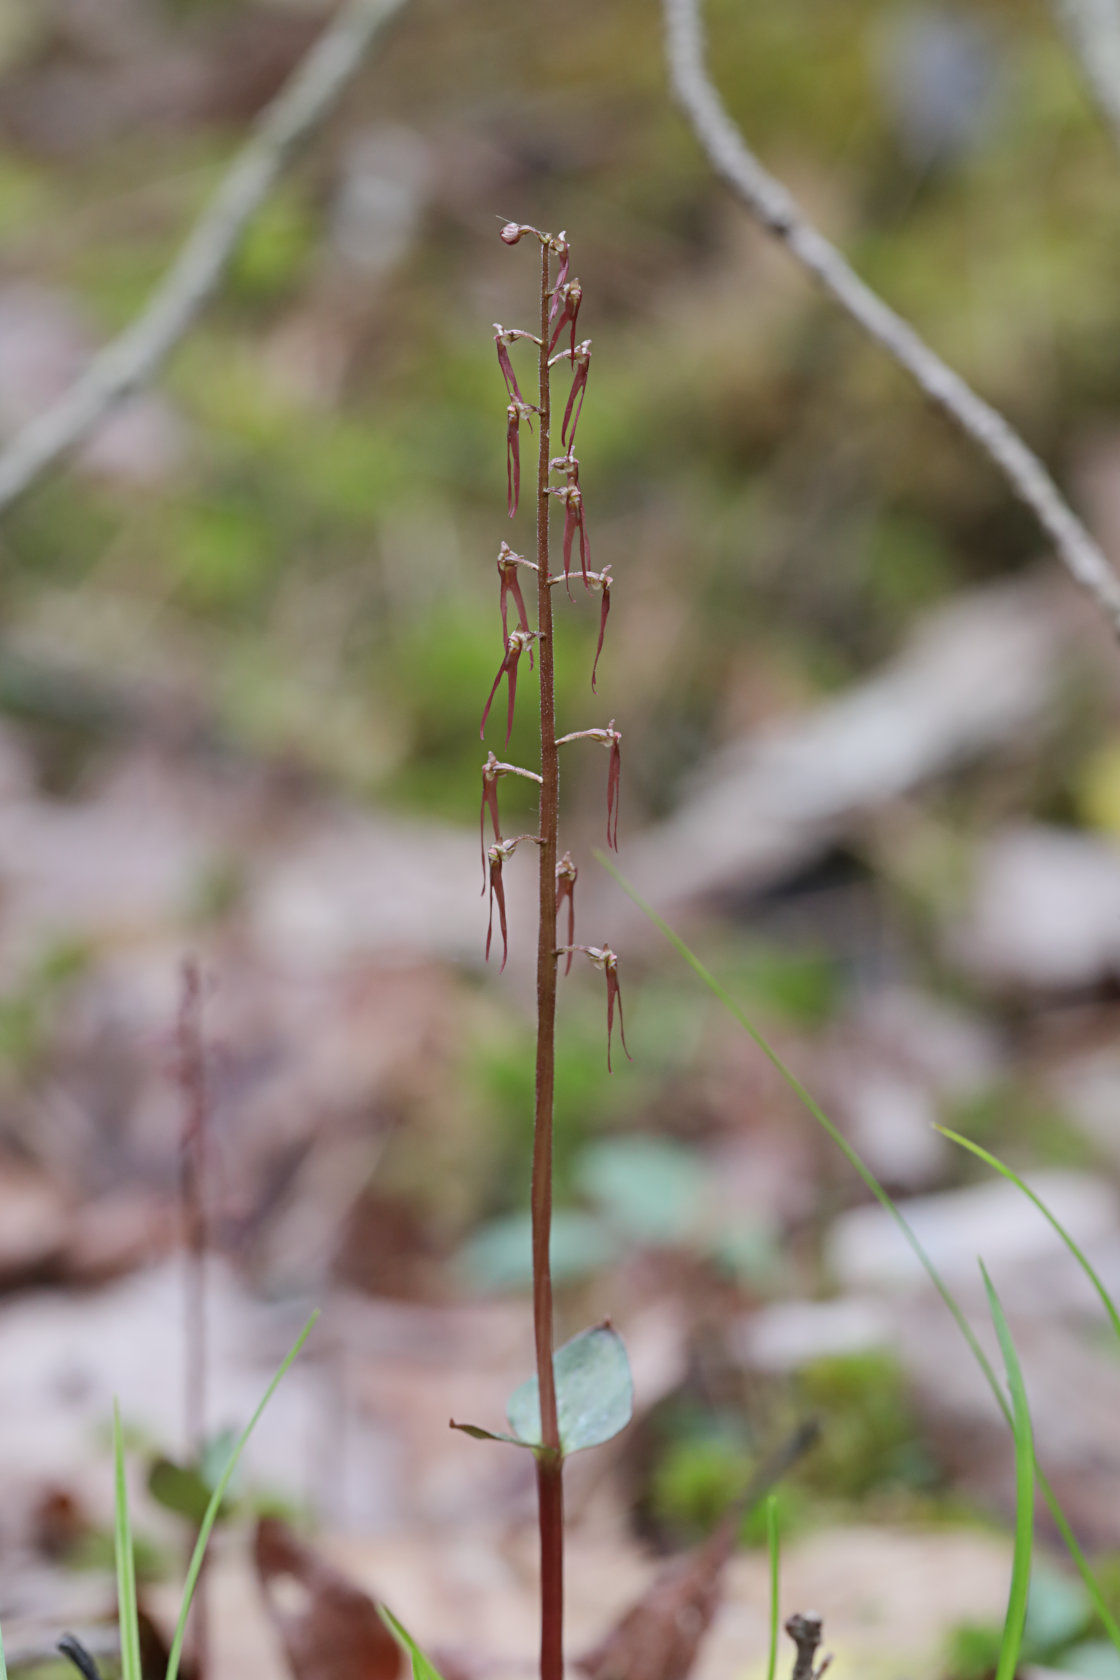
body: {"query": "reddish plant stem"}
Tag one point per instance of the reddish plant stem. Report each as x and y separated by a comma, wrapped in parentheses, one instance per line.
(550, 1505)
(549, 1463)
(192, 1201)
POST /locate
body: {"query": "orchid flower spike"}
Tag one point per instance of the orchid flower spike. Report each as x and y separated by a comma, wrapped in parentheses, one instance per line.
(515, 413)
(497, 854)
(611, 738)
(564, 251)
(569, 298)
(572, 497)
(606, 961)
(516, 643)
(515, 231)
(566, 876)
(492, 770)
(508, 563)
(580, 357)
(601, 581)
(503, 338)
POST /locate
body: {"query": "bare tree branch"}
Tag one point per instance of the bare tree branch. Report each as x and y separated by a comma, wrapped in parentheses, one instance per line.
(131, 360)
(769, 202)
(1093, 29)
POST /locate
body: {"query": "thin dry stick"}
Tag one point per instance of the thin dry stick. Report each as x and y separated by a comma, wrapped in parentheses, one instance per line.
(550, 1487)
(805, 1629)
(1093, 30)
(131, 360)
(769, 202)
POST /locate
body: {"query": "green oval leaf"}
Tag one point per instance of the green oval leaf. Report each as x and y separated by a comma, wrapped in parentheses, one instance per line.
(479, 1434)
(594, 1393)
(179, 1488)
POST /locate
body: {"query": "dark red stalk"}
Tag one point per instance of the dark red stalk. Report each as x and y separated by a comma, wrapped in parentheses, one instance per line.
(192, 1198)
(550, 1491)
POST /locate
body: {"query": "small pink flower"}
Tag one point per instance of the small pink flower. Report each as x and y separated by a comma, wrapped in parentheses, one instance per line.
(580, 358)
(572, 497)
(508, 563)
(503, 338)
(513, 457)
(611, 738)
(601, 581)
(498, 853)
(606, 961)
(570, 297)
(564, 252)
(516, 643)
(492, 770)
(566, 876)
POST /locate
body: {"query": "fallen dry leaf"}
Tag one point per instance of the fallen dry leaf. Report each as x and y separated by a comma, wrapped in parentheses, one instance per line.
(329, 1628)
(660, 1636)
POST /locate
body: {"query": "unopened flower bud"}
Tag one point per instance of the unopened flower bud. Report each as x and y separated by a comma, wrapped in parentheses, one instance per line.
(511, 233)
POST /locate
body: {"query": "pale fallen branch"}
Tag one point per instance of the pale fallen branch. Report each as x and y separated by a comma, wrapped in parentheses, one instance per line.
(772, 206)
(131, 360)
(1093, 30)
(977, 676)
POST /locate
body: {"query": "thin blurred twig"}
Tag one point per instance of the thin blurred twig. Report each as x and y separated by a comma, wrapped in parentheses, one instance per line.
(131, 360)
(771, 205)
(1093, 30)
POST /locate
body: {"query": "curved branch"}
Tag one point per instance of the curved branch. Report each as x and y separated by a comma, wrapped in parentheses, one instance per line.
(131, 360)
(1093, 30)
(769, 202)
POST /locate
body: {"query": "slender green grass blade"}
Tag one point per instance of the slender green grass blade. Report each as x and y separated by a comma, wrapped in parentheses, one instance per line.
(422, 1667)
(1081, 1258)
(773, 1541)
(126, 1563)
(216, 1502)
(1107, 1620)
(3, 1660)
(1012, 1642)
(854, 1160)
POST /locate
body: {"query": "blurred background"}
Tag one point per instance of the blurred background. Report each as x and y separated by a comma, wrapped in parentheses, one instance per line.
(871, 769)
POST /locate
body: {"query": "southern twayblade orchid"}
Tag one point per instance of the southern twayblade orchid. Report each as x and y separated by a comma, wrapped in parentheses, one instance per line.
(566, 876)
(559, 291)
(500, 852)
(492, 770)
(508, 563)
(516, 643)
(606, 961)
(580, 357)
(515, 413)
(570, 297)
(611, 738)
(503, 338)
(601, 581)
(572, 497)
